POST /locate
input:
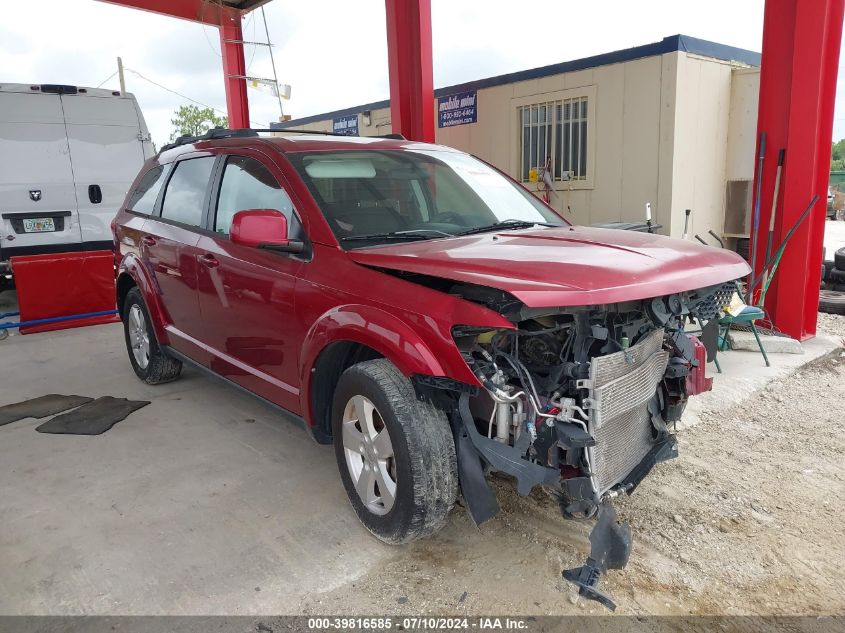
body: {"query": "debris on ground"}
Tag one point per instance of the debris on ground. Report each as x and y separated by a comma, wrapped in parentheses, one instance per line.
(746, 521)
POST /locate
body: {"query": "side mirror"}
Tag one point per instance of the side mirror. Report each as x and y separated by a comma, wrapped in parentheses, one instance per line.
(263, 228)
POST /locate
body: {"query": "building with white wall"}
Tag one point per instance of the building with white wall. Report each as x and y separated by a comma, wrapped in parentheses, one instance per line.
(671, 123)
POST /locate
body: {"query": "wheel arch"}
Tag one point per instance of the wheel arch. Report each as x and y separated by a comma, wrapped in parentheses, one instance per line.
(132, 274)
(348, 335)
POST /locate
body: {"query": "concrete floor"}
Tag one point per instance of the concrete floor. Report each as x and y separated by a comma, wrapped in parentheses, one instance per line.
(203, 502)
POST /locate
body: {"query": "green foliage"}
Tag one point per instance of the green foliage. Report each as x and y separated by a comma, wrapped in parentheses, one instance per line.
(194, 121)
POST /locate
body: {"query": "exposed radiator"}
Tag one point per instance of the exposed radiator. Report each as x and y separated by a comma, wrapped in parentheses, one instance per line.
(621, 384)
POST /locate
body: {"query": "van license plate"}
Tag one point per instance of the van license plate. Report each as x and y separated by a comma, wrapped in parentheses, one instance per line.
(38, 225)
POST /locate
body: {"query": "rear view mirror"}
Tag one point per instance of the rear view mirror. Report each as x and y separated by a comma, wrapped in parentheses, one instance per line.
(263, 228)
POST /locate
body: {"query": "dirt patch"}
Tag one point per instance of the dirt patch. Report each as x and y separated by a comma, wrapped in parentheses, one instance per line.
(747, 521)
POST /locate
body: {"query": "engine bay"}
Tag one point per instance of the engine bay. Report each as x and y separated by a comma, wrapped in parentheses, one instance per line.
(583, 398)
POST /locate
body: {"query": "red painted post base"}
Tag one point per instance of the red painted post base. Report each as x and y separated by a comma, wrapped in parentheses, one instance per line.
(801, 43)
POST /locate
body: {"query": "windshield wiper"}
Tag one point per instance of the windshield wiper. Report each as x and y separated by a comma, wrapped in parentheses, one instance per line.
(415, 234)
(505, 224)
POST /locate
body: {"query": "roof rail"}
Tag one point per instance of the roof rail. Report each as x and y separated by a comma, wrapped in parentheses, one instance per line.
(215, 132)
(221, 132)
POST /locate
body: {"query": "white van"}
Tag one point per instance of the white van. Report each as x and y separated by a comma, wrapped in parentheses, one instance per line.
(67, 158)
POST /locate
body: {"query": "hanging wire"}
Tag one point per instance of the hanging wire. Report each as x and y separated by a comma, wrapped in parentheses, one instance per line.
(106, 79)
(254, 46)
(179, 94)
(204, 32)
(272, 62)
(250, 20)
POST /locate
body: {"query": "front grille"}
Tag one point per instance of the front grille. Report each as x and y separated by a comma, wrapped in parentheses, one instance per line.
(621, 384)
(711, 306)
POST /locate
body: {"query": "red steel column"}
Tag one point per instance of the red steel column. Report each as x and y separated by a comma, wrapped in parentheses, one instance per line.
(801, 42)
(409, 62)
(234, 68)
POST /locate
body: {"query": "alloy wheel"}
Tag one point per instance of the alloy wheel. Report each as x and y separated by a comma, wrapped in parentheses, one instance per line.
(139, 338)
(369, 455)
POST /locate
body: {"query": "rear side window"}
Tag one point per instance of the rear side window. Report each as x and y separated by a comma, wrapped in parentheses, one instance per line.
(143, 199)
(247, 184)
(185, 192)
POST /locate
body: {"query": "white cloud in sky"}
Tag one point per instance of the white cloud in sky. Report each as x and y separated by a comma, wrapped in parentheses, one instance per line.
(334, 52)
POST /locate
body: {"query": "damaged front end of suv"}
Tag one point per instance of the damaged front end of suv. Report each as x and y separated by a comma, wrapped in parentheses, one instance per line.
(579, 400)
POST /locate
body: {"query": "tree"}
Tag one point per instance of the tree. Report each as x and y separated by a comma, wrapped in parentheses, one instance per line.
(837, 156)
(194, 121)
(837, 150)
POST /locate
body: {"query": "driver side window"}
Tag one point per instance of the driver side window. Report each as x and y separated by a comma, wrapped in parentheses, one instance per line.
(247, 184)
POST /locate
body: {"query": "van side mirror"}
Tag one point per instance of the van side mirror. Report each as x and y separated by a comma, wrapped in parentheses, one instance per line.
(263, 228)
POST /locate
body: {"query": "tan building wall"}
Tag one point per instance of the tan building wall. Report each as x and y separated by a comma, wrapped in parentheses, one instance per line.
(666, 130)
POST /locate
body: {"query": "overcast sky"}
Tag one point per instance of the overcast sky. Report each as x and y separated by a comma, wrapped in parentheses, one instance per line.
(334, 52)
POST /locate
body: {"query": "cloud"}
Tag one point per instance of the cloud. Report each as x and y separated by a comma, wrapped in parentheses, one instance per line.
(334, 52)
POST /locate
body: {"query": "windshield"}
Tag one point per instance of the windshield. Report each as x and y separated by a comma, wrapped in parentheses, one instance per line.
(378, 197)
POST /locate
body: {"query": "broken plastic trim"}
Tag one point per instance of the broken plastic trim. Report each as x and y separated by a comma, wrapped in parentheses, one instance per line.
(472, 448)
(610, 549)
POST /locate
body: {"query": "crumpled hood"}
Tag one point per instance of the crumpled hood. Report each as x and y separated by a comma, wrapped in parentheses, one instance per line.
(566, 266)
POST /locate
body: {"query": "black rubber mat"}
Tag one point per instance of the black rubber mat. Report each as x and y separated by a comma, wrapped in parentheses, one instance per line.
(93, 418)
(40, 407)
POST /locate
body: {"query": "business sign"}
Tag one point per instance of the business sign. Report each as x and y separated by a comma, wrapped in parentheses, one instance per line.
(347, 125)
(457, 109)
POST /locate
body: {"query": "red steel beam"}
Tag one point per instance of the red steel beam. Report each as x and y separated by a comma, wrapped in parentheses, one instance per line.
(234, 70)
(228, 20)
(409, 64)
(193, 10)
(801, 42)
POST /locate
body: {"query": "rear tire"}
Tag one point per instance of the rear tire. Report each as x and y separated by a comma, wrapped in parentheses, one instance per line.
(408, 478)
(150, 363)
(832, 302)
(839, 258)
(827, 266)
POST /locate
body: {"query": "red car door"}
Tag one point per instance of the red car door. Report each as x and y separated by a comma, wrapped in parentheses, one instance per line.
(169, 245)
(246, 294)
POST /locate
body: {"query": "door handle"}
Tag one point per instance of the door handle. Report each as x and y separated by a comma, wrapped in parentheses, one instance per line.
(95, 194)
(209, 260)
(148, 241)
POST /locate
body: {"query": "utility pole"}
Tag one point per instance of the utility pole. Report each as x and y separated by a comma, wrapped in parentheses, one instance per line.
(120, 75)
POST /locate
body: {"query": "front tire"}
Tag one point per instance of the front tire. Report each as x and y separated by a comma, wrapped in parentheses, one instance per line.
(396, 454)
(149, 361)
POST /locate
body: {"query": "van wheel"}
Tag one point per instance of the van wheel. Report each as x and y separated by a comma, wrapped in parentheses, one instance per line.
(396, 454)
(148, 360)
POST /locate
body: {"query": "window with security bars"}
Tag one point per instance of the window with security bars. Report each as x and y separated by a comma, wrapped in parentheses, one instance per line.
(556, 130)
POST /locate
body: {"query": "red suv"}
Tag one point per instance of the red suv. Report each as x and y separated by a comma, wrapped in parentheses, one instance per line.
(424, 313)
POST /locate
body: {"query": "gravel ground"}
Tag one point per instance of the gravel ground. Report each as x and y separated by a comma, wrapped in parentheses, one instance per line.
(747, 521)
(832, 324)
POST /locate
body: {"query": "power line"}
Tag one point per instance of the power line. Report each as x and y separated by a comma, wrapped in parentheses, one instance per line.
(106, 79)
(179, 94)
